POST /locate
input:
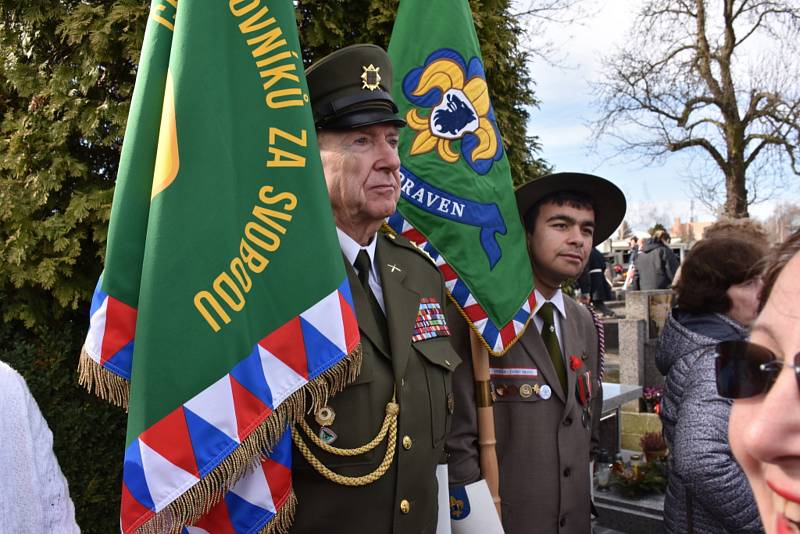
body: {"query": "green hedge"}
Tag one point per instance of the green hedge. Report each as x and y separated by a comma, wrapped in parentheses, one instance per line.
(88, 434)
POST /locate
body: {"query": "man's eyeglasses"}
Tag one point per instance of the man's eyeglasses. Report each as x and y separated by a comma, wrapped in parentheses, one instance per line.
(746, 369)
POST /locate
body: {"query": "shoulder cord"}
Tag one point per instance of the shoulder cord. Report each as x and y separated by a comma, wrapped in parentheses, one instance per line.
(389, 426)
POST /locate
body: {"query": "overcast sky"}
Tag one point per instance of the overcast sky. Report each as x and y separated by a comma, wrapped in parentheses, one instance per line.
(659, 191)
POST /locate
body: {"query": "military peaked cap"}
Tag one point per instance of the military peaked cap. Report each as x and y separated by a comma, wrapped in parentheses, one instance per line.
(352, 87)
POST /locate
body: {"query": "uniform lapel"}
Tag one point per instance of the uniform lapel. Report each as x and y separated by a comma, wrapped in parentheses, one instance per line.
(572, 346)
(402, 304)
(534, 346)
(366, 321)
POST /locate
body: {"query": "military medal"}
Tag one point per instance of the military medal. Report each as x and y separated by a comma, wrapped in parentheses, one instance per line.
(430, 321)
(525, 391)
(325, 416)
(585, 417)
(545, 392)
(585, 387)
(327, 435)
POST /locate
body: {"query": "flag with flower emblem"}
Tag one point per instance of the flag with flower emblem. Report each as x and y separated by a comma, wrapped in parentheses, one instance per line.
(457, 199)
(216, 323)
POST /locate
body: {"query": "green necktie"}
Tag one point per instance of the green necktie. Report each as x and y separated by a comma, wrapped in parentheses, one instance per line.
(551, 342)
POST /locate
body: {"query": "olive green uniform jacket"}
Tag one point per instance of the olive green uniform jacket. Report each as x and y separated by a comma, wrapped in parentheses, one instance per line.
(543, 445)
(421, 372)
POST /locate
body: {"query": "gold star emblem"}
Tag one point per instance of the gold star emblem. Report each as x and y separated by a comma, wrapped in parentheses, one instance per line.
(371, 77)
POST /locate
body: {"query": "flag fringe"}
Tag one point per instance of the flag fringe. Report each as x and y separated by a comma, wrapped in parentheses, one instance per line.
(474, 328)
(101, 382)
(200, 498)
(284, 517)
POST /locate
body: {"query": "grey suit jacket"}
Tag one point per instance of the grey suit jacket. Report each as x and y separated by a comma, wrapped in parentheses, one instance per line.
(543, 445)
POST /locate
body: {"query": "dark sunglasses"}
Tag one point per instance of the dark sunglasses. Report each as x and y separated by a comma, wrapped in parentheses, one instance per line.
(746, 369)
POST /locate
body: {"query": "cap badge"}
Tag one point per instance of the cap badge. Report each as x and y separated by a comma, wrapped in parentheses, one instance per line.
(370, 77)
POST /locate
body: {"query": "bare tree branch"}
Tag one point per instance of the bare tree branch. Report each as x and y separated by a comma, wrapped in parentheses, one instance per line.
(687, 80)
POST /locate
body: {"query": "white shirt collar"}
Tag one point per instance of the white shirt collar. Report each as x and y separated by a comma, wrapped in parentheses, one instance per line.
(350, 248)
(557, 300)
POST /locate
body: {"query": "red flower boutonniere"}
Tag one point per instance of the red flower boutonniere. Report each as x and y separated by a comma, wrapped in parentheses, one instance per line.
(574, 362)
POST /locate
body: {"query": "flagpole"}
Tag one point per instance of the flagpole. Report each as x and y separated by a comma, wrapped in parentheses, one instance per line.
(486, 434)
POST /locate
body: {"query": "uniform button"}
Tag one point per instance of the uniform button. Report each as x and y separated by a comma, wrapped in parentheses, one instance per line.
(568, 421)
(407, 442)
(405, 506)
(447, 363)
(567, 472)
(563, 522)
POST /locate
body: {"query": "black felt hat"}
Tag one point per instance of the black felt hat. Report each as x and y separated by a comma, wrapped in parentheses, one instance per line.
(352, 87)
(608, 199)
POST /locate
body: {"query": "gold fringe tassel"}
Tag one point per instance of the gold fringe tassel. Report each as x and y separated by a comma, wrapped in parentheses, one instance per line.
(283, 519)
(200, 498)
(102, 382)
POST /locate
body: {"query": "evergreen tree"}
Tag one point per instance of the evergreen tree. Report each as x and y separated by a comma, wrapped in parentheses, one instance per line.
(65, 87)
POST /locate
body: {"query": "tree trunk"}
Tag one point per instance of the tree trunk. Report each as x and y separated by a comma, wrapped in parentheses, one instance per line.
(736, 192)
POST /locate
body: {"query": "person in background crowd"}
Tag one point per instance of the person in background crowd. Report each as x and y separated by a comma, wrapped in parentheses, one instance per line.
(594, 286)
(656, 264)
(762, 376)
(34, 497)
(717, 300)
(634, 244)
(739, 228)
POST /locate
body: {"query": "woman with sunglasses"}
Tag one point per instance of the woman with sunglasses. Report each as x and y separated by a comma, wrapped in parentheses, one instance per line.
(717, 300)
(764, 376)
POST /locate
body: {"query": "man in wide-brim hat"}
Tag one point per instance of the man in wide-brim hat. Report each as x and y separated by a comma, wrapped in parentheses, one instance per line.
(546, 388)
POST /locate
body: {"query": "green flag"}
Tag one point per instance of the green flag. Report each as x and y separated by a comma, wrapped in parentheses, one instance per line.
(224, 303)
(457, 199)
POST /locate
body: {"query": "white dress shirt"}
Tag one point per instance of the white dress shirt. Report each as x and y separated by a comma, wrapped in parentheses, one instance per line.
(350, 249)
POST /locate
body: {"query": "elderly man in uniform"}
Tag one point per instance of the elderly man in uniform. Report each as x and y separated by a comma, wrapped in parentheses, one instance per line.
(367, 461)
(546, 388)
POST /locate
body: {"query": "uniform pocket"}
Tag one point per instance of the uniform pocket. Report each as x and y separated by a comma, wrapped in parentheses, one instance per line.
(440, 362)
